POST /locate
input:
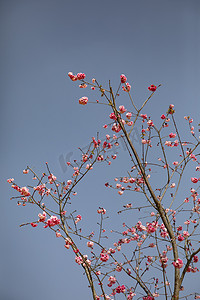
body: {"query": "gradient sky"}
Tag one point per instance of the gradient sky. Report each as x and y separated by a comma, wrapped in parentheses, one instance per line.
(153, 41)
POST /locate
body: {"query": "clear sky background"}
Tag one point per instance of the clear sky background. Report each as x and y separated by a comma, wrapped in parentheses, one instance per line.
(153, 41)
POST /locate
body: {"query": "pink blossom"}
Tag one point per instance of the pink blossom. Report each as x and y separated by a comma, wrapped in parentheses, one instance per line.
(186, 234)
(72, 77)
(150, 123)
(144, 116)
(152, 88)
(178, 263)
(34, 225)
(194, 179)
(90, 244)
(101, 211)
(104, 257)
(122, 109)
(127, 87)
(172, 135)
(123, 78)
(78, 260)
(25, 171)
(68, 243)
(83, 85)
(42, 217)
(78, 218)
(51, 178)
(144, 141)
(120, 289)
(83, 100)
(168, 143)
(80, 76)
(163, 117)
(128, 115)
(120, 192)
(52, 222)
(180, 238)
(118, 268)
(24, 191)
(10, 180)
(112, 116)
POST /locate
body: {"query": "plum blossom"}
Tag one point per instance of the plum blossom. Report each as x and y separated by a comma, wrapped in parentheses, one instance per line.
(101, 211)
(78, 218)
(122, 109)
(178, 263)
(78, 260)
(52, 222)
(104, 256)
(10, 180)
(83, 100)
(152, 88)
(127, 87)
(194, 179)
(51, 178)
(24, 191)
(123, 78)
(172, 135)
(42, 217)
(80, 76)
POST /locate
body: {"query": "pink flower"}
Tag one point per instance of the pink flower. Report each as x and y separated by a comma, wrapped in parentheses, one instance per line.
(186, 234)
(80, 76)
(78, 218)
(90, 244)
(78, 260)
(194, 179)
(144, 141)
(10, 180)
(52, 222)
(172, 135)
(129, 115)
(25, 171)
(101, 211)
(195, 259)
(83, 100)
(122, 109)
(180, 238)
(104, 257)
(83, 86)
(152, 88)
(178, 263)
(24, 191)
(163, 117)
(42, 217)
(120, 289)
(72, 77)
(123, 78)
(144, 116)
(127, 88)
(33, 225)
(112, 116)
(51, 178)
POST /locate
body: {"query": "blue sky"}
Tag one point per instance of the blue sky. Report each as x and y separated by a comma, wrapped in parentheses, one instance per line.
(41, 41)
